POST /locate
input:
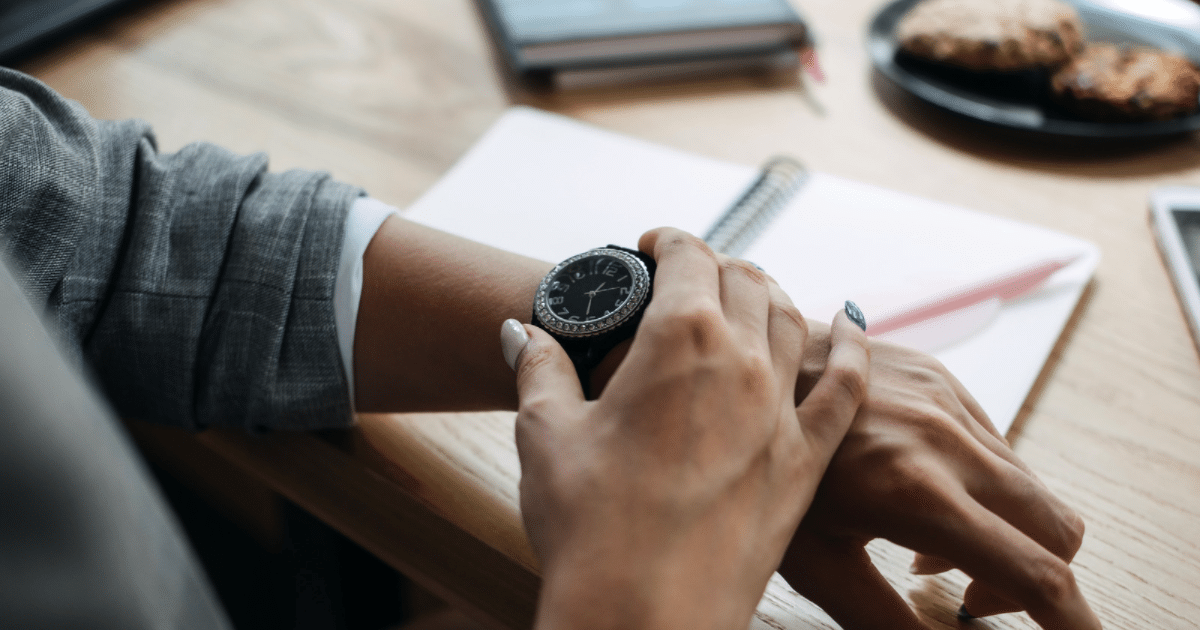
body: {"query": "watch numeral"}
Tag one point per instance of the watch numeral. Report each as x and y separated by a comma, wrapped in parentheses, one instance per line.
(555, 301)
(623, 291)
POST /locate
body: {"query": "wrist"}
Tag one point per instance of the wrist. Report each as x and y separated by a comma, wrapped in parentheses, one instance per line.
(634, 595)
(587, 597)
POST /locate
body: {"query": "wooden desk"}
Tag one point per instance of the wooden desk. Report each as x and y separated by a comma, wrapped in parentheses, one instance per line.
(386, 94)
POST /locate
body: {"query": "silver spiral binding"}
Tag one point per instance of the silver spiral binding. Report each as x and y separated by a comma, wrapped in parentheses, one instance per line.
(750, 215)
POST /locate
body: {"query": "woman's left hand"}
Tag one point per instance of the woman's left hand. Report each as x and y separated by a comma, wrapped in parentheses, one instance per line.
(923, 467)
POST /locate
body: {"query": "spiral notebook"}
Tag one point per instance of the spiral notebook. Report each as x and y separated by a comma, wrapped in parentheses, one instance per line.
(549, 187)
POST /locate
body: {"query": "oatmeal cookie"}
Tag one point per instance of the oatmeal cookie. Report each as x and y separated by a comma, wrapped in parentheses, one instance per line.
(992, 35)
(1109, 82)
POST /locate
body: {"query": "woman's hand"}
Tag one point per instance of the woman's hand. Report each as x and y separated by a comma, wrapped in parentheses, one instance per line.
(669, 501)
(923, 466)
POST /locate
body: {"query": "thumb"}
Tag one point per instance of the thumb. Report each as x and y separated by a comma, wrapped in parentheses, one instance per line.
(827, 411)
(546, 378)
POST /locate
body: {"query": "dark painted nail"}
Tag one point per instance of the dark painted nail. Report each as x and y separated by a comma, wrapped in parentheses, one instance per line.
(855, 315)
(963, 614)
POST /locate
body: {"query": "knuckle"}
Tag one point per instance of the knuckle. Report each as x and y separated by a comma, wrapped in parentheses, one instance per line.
(912, 486)
(756, 374)
(534, 440)
(789, 313)
(1075, 529)
(534, 358)
(872, 458)
(910, 480)
(697, 325)
(924, 371)
(1053, 582)
(937, 430)
(930, 363)
(946, 434)
(889, 470)
(671, 240)
(737, 265)
(538, 405)
(851, 382)
(920, 375)
(1061, 530)
(537, 409)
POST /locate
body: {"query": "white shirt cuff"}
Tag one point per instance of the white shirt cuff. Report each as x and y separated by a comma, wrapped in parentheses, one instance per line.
(363, 221)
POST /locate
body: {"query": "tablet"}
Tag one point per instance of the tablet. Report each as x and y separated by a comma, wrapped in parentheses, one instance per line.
(1175, 215)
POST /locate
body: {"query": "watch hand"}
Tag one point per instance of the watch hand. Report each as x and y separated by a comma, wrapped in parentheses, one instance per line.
(593, 292)
(589, 308)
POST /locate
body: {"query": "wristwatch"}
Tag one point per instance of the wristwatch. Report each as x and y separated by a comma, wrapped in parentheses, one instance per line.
(593, 301)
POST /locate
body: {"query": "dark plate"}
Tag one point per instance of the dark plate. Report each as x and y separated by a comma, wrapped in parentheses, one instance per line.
(1021, 100)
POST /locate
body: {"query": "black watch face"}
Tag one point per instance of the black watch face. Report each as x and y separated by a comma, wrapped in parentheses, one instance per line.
(591, 289)
(592, 292)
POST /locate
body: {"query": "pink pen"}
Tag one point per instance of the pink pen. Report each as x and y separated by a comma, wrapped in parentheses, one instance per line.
(808, 59)
(1004, 287)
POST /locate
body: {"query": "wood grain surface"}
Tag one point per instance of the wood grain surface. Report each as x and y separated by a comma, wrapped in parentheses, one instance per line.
(387, 93)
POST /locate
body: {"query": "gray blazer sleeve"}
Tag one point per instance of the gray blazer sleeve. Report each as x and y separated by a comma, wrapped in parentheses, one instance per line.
(196, 285)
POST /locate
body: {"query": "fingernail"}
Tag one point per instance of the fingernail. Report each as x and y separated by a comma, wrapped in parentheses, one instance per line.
(914, 569)
(512, 341)
(963, 614)
(855, 314)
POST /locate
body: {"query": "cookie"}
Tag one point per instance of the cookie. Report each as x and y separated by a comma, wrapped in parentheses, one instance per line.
(1107, 82)
(992, 35)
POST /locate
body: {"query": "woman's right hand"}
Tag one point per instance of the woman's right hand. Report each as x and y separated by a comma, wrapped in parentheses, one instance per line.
(668, 501)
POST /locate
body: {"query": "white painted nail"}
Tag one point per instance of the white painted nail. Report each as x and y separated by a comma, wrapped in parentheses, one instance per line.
(512, 341)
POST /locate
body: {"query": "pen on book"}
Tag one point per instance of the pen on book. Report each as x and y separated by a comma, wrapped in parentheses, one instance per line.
(810, 63)
(1005, 287)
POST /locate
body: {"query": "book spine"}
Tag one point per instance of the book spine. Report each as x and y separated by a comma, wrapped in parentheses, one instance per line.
(754, 211)
(503, 38)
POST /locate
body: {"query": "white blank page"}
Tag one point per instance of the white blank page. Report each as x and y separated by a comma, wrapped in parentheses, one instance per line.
(550, 187)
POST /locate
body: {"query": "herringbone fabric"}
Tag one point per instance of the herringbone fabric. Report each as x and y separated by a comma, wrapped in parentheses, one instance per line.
(197, 285)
